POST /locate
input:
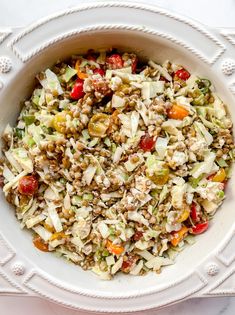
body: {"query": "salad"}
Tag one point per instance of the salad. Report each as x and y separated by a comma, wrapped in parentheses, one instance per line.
(116, 164)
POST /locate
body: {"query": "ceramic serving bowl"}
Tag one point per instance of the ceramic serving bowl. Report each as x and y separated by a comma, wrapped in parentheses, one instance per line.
(204, 269)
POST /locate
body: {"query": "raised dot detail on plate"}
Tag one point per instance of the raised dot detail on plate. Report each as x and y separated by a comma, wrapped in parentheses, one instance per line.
(228, 67)
(212, 269)
(18, 269)
(5, 64)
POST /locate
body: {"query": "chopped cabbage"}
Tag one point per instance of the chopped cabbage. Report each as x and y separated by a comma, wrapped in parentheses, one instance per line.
(55, 219)
(51, 82)
(204, 167)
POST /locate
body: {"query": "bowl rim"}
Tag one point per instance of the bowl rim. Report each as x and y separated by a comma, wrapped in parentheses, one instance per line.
(220, 261)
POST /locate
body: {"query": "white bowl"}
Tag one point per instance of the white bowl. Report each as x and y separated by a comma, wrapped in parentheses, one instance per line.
(204, 269)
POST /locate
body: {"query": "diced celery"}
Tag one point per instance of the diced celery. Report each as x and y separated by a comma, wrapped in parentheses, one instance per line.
(222, 162)
(76, 200)
(194, 181)
(69, 73)
(29, 119)
(88, 197)
(107, 142)
(85, 134)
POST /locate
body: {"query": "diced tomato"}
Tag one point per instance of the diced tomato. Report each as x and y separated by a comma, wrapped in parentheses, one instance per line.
(137, 236)
(163, 79)
(1, 181)
(182, 74)
(210, 176)
(28, 185)
(91, 58)
(193, 212)
(134, 64)
(114, 61)
(146, 142)
(127, 264)
(225, 182)
(99, 71)
(77, 91)
(200, 228)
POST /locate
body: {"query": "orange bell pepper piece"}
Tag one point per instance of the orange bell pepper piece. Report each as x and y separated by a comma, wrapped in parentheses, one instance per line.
(114, 249)
(177, 112)
(80, 74)
(178, 236)
(39, 244)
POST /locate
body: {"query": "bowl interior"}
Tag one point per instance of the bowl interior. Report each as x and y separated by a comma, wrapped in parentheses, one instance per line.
(20, 87)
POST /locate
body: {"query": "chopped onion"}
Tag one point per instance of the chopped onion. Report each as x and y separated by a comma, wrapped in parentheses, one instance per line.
(163, 71)
(89, 173)
(42, 232)
(117, 155)
(33, 221)
(117, 266)
(134, 122)
(161, 146)
(55, 219)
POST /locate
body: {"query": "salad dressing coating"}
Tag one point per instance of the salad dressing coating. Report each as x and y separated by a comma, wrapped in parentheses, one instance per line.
(115, 164)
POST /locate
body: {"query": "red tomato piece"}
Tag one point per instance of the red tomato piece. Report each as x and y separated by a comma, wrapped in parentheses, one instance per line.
(146, 142)
(77, 91)
(91, 58)
(28, 185)
(99, 71)
(134, 64)
(210, 176)
(1, 181)
(193, 213)
(137, 236)
(163, 79)
(114, 61)
(126, 265)
(182, 74)
(225, 182)
(200, 228)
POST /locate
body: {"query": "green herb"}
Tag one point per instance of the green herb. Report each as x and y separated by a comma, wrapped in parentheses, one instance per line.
(194, 181)
(31, 142)
(105, 253)
(220, 194)
(29, 119)
(19, 133)
(204, 85)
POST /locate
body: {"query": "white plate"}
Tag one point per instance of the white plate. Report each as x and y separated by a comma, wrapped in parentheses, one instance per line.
(204, 269)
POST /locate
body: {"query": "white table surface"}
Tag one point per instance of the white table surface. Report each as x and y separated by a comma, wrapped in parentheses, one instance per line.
(211, 12)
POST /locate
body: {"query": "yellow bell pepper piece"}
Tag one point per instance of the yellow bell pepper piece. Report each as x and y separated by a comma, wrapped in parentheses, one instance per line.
(220, 176)
(184, 216)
